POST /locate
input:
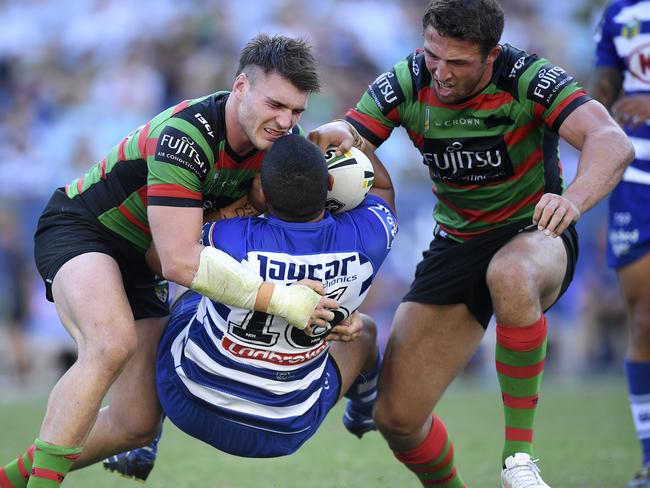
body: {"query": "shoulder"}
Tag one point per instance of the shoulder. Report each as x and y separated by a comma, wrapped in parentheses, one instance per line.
(510, 66)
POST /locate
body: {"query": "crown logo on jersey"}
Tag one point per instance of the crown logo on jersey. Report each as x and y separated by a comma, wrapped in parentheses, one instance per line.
(631, 28)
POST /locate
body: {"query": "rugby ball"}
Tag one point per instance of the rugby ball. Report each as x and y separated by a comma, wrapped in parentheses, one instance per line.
(353, 177)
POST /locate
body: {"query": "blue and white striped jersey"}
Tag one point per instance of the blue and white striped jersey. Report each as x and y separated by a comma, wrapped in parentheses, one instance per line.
(623, 42)
(255, 368)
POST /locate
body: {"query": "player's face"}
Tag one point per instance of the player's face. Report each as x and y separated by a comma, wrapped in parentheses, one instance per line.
(269, 107)
(458, 68)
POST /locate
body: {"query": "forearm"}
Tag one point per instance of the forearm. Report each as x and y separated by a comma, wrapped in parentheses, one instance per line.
(605, 155)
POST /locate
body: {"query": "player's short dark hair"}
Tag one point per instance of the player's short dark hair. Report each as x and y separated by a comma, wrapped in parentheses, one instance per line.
(478, 21)
(294, 178)
(292, 58)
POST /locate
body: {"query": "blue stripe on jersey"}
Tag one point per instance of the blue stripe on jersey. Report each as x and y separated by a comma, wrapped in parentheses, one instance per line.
(200, 337)
(250, 392)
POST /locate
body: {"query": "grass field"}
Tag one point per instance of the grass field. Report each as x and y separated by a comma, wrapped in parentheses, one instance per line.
(584, 439)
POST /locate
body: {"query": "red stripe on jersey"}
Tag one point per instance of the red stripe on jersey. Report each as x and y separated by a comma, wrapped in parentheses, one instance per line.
(131, 218)
(4, 481)
(120, 150)
(170, 190)
(102, 169)
(393, 116)
(520, 133)
(520, 402)
(523, 435)
(418, 139)
(484, 101)
(255, 161)
(373, 125)
(142, 193)
(490, 217)
(181, 106)
(80, 184)
(520, 372)
(528, 163)
(142, 140)
(150, 147)
(562, 105)
(48, 474)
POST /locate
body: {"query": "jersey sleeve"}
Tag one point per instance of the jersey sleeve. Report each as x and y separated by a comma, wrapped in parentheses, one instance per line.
(178, 166)
(606, 54)
(378, 111)
(548, 92)
(378, 227)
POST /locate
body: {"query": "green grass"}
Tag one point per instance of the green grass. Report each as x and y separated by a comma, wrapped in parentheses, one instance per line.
(584, 438)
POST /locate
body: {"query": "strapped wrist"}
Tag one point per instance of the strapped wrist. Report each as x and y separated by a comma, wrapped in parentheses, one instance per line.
(296, 303)
(220, 277)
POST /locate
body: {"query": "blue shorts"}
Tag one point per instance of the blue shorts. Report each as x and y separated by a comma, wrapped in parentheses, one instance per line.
(628, 238)
(207, 423)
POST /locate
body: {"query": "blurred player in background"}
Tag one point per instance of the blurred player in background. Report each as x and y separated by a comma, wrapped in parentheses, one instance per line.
(621, 81)
(90, 245)
(487, 118)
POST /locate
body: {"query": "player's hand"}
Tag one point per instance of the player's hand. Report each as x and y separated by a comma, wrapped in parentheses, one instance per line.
(347, 330)
(554, 213)
(322, 314)
(337, 133)
(632, 110)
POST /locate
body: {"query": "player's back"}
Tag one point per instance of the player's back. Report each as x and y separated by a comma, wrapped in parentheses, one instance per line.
(253, 367)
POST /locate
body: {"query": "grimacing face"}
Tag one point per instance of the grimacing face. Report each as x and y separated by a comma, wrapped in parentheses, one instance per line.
(270, 106)
(458, 69)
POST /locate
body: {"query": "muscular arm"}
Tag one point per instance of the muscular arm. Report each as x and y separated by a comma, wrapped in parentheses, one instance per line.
(605, 153)
(176, 232)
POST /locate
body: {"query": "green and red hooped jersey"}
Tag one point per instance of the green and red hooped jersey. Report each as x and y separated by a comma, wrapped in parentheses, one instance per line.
(180, 159)
(491, 157)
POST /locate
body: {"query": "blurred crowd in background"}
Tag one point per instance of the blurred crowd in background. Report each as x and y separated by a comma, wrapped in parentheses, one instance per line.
(78, 75)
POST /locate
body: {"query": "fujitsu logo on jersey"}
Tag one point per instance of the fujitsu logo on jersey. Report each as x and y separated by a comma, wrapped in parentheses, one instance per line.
(549, 82)
(468, 161)
(386, 92)
(181, 146)
(205, 123)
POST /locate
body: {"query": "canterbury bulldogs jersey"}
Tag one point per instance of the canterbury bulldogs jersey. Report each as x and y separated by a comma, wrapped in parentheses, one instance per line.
(255, 368)
(623, 42)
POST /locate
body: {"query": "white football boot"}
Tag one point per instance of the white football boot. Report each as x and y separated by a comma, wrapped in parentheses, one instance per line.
(521, 472)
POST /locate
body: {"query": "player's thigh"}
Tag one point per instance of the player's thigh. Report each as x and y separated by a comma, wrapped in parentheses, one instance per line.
(350, 357)
(427, 348)
(132, 398)
(89, 296)
(531, 266)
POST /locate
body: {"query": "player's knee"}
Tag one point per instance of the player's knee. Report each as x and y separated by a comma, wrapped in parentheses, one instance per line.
(515, 282)
(640, 327)
(109, 352)
(394, 421)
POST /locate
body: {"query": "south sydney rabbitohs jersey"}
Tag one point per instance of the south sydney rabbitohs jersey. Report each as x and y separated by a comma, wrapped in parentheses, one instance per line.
(180, 158)
(255, 368)
(491, 157)
(623, 42)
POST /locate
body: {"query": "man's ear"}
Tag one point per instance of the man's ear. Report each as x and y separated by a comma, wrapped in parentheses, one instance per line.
(241, 84)
(330, 182)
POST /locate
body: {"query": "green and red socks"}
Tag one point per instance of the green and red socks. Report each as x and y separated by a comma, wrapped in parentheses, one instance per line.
(44, 465)
(520, 357)
(16, 473)
(433, 460)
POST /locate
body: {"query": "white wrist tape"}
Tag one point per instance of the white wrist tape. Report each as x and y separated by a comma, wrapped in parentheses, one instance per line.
(296, 303)
(221, 278)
